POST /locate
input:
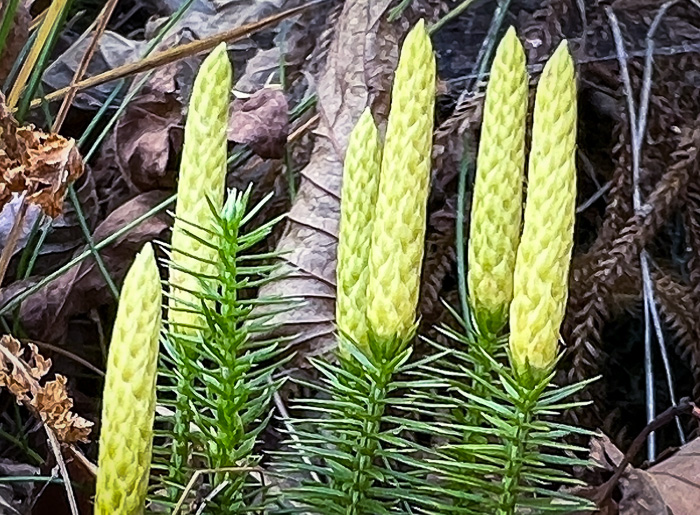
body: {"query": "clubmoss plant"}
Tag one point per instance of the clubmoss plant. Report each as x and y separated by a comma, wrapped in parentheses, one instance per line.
(398, 229)
(359, 197)
(344, 448)
(129, 397)
(202, 176)
(542, 264)
(216, 372)
(502, 461)
(497, 203)
(201, 181)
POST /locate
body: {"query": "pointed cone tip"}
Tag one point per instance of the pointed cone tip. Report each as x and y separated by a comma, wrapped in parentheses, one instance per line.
(562, 48)
(511, 43)
(216, 56)
(366, 116)
(560, 62)
(146, 250)
(221, 47)
(146, 257)
(418, 32)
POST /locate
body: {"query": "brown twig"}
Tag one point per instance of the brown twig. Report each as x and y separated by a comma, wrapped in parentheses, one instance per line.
(175, 54)
(102, 20)
(684, 406)
(68, 354)
(201, 472)
(299, 131)
(638, 125)
(56, 448)
(86, 463)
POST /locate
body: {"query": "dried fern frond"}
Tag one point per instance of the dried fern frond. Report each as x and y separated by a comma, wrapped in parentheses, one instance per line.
(592, 291)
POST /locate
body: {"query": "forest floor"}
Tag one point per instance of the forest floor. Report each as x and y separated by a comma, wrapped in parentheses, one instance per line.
(635, 278)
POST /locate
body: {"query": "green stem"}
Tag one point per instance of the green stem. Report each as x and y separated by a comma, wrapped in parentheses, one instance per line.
(181, 426)
(8, 18)
(515, 447)
(366, 448)
(461, 239)
(482, 368)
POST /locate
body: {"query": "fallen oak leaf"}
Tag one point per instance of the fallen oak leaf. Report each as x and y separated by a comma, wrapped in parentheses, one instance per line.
(261, 121)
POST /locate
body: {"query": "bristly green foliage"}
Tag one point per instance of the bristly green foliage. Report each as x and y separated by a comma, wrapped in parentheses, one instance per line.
(351, 449)
(229, 395)
(515, 456)
(451, 433)
(456, 432)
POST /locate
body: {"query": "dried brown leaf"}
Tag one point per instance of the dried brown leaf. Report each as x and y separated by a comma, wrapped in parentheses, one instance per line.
(54, 406)
(50, 402)
(46, 313)
(358, 72)
(145, 134)
(12, 376)
(261, 122)
(638, 491)
(678, 479)
(39, 164)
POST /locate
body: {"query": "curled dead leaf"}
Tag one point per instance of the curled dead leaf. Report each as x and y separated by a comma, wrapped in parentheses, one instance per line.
(17, 375)
(53, 405)
(35, 163)
(261, 122)
(49, 402)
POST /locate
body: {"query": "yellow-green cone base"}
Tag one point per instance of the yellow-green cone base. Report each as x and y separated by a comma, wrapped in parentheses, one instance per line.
(358, 200)
(202, 177)
(399, 225)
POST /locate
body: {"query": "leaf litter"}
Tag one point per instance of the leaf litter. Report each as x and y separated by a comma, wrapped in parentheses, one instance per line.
(36, 164)
(49, 401)
(136, 167)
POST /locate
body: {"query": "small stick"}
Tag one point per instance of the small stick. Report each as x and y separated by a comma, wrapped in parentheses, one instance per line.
(13, 238)
(56, 448)
(638, 123)
(200, 472)
(279, 404)
(685, 406)
(89, 466)
(175, 54)
(102, 20)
